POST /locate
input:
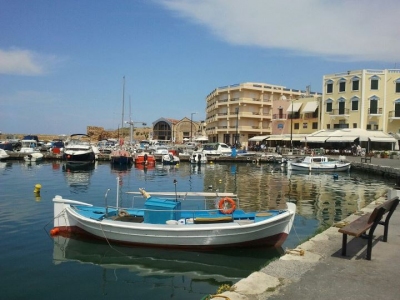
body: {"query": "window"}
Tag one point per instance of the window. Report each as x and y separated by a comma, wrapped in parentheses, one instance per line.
(342, 85)
(397, 82)
(296, 125)
(354, 103)
(315, 125)
(342, 105)
(374, 82)
(354, 125)
(355, 84)
(305, 125)
(329, 87)
(373, 105)
(328, 126)
(329, 105)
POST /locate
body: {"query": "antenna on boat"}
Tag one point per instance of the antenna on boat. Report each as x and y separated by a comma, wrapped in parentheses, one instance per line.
(105, 199)
(176, 195)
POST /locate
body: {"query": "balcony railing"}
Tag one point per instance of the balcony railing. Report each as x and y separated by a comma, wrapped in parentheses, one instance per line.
(339, 112)
(394, 114)
(374, 111)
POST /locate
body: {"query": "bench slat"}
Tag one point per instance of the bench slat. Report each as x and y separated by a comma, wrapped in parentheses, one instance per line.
(357, 227)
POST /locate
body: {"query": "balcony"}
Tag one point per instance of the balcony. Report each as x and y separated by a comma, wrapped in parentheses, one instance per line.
(279, 116)
(394, 115)
(341, 112)
(375, 111)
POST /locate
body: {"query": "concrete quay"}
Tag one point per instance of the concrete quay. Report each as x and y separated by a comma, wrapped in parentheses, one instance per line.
(322, 273)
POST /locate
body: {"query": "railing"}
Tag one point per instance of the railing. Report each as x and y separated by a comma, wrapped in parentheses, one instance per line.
(338, 112)
(394, 114)
(376, 111)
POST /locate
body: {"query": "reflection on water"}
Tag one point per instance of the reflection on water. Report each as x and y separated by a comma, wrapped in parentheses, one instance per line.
(226, 266)
(78, 177)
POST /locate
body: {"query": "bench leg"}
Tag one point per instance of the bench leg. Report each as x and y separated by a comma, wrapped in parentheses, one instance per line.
(344, 244)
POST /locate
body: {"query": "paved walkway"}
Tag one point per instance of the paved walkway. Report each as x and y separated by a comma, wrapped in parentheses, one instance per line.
(322, 273)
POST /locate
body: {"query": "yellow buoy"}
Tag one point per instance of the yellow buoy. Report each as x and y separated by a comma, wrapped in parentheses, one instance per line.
(37, 188)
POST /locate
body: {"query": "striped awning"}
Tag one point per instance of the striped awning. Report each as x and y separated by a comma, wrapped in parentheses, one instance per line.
(259, 138)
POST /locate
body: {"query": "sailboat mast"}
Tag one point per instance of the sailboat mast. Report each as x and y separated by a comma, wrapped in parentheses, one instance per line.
(123, 104)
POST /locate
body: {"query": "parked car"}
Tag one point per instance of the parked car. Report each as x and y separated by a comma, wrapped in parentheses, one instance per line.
(217, 149)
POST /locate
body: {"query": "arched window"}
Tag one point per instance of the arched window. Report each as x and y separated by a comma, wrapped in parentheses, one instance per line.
(329, 105)
(354, 103)
(329, 86)
(373, 104)
(342, 105)
(342, 85)
(397, 85)
(375, 82)
(397, 108)
(355, 83)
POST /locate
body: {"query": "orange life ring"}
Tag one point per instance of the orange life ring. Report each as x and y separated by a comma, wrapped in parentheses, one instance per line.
(223, 207)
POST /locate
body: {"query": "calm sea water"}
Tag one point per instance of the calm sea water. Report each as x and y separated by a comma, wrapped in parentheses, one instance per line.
(36, 266)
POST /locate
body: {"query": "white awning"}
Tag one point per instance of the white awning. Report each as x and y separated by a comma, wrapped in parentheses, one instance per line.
(276, 138)
(258, 138)
(310, 107)
(339, 139)
(296, 107)
(315, 139)
(383, 139)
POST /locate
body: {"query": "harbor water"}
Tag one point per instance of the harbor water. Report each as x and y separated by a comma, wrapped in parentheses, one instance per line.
(37, 266)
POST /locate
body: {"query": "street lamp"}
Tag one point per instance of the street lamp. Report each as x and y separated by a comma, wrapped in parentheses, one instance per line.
(237, 127)
(291, 130)
(132, 125)
(191, 126)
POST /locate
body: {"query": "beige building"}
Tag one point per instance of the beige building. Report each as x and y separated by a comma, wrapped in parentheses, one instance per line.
(177, 131)
(365, 99)
(236, 113)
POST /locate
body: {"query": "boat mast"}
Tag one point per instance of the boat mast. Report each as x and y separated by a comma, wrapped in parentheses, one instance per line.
(123, 106)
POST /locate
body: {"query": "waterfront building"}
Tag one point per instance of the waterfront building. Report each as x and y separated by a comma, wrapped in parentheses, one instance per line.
(236, 113)
(365, 99)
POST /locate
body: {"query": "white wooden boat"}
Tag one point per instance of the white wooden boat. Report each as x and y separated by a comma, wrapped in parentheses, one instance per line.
(163, 221)
(34, 156)
(318, 163)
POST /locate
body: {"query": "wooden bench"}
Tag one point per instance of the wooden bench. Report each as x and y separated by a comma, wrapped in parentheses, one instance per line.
(366, 159)
(359, 227)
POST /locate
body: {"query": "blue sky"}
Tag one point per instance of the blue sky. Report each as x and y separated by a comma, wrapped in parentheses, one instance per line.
(62, 63)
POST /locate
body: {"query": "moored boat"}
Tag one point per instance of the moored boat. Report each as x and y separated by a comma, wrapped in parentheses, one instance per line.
(34, 156)
(79, 151)
(3, 154)
(170, 159)
(121, 157)
(198, 157)
(318, 163)
(162, 221)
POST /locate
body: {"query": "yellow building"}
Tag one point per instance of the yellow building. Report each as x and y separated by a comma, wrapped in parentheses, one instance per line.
(239, 112)
(366, 99)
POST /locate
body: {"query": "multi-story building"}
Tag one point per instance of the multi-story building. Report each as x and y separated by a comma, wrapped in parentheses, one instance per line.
(366, 99)
(238, 112)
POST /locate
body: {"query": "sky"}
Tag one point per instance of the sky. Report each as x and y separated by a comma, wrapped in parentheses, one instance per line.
(66, 65)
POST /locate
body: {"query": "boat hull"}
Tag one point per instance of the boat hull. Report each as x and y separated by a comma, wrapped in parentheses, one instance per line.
(269, 232)
(320, 168)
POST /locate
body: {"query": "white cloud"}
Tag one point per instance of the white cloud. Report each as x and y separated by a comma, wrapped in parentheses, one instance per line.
(341, 29)
(24, 62)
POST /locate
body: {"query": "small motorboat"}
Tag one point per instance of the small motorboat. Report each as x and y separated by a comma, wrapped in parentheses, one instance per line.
(3, 154)
(170, 159)
(34, 156)
(79, 151)
(197, 220)
(318, 163)
(198, 157)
